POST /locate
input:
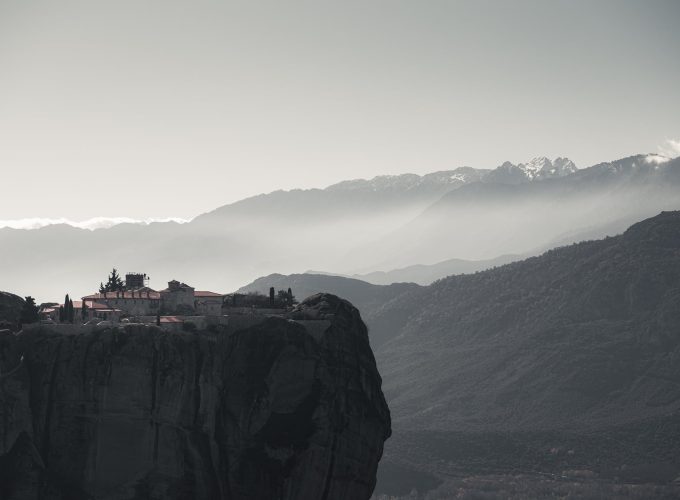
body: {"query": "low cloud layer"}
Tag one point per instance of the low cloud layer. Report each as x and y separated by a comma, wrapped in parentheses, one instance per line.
(671, 148)
(91, 224)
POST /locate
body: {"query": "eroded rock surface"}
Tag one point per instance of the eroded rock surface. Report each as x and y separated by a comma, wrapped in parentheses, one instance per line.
(269, 412)
(10, 310)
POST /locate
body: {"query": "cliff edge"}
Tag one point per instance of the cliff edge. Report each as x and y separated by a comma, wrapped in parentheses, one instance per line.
(10, 310)
(280, 410)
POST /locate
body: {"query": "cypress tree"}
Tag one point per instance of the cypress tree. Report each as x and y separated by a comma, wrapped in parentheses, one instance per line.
(67, 310)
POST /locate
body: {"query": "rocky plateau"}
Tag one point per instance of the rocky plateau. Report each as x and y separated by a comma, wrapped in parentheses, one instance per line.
(275, 411)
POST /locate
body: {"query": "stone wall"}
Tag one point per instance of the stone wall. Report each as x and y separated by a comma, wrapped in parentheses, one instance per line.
(136, 306)
(179, 300)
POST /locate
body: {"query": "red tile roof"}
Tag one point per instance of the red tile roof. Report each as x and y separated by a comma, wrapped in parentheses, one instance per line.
(93, 305)
(77, 304)
(97, 305)
(171, 319)
(205, 293)
(145, 295)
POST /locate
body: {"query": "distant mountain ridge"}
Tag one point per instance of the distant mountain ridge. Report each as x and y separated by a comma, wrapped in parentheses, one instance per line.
(387, 190)
(453, 178)
(91, 224)
(426, 274)
(353, 228)
(435, 183)
(538, 168)
(485, 219)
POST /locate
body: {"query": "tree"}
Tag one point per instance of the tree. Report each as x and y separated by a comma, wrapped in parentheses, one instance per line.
(71, 311)
(68, 310)
(271, 296)
(158, 319)
(83, 312)
(286, 297)
(113, 284)
(61, 314)
(29, 311)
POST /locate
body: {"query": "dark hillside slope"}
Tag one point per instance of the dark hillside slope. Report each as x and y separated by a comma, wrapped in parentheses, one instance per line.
(368, 298)
(358, 196)
(427, 274)
(567, 360)
(572, 337)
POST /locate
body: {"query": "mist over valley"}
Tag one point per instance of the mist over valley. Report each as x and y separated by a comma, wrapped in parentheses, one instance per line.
(355, 228)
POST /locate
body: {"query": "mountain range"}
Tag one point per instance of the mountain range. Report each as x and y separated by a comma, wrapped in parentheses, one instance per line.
(424, 274)
(468, 218)
(483, 220)
(562, 362)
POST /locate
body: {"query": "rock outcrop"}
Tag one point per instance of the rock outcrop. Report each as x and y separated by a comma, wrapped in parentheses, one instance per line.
(280, 410)
(10, 310)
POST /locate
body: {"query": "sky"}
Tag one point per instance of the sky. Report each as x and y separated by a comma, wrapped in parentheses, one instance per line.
(171, 108)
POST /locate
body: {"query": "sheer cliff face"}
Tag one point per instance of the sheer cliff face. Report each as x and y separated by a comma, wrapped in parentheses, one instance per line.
(276, 411)
(10, 309)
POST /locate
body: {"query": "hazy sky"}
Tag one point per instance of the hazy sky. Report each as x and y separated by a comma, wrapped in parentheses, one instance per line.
(171, 108)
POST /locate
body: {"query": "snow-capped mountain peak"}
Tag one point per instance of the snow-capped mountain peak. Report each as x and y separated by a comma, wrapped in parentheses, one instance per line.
(543, 167)
(536, 166)
(535, 169)
(656, 159)
(508, 173)
(445, 179)
(564, 166)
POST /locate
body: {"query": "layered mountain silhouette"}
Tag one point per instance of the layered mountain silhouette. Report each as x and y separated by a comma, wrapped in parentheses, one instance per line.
(484, 220)
(356, 228)
(368, 298)
(558, 362)
(423, 274)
